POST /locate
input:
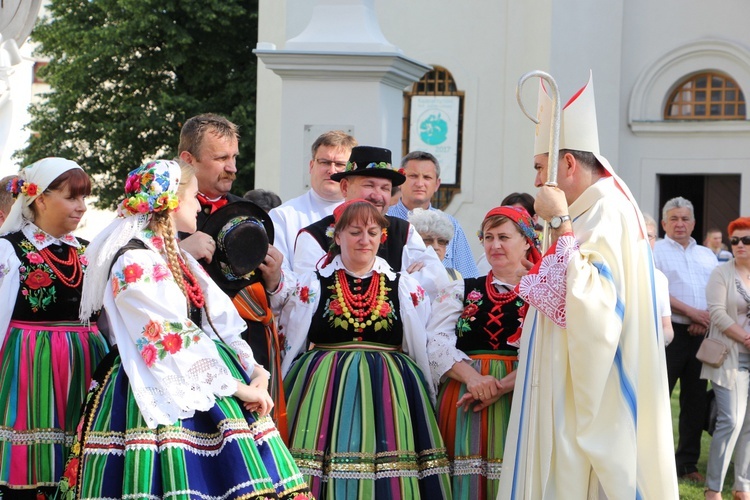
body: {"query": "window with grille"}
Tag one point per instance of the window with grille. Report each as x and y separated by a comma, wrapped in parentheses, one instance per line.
(706, 96)
(437, 82)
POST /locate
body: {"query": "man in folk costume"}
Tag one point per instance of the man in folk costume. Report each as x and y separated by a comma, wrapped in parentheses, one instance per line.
(210, 143)
(590, 416)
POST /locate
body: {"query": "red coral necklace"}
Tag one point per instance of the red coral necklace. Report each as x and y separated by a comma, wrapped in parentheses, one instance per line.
(75, 277)
(192, 287)
(498, 298)
(358, 306)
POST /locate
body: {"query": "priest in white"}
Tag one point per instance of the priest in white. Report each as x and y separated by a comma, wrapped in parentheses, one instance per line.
(330, 152)
(590, 415)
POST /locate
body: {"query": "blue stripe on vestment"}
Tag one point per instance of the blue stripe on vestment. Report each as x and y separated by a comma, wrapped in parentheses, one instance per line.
(527, 383)
(606, 273)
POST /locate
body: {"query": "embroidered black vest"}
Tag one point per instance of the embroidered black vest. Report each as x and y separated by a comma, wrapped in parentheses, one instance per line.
(42, 296)
(324, 329)
(486, 326)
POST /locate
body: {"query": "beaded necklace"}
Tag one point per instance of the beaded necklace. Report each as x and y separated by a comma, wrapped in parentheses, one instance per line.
(498, 298)
(356, 307)
(75, 276)
(192, 287)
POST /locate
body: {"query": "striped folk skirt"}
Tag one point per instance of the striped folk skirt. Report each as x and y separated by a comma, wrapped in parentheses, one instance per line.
(362, 425)
(45, 370)
(225, 452)
(475, 441)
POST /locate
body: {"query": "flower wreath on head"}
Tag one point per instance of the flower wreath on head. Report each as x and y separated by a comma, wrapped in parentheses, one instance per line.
(18, 186)
(148, 191)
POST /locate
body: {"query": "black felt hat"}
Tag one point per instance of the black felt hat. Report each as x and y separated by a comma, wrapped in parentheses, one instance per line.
(370, 161)
(242, 232)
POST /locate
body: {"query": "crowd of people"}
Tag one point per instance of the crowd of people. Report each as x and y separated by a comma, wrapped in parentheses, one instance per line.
(347, 345)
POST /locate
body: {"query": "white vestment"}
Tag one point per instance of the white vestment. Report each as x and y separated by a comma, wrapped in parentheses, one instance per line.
(294, 215)
(591, 415)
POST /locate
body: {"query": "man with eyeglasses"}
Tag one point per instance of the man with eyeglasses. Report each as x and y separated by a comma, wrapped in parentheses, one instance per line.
(422, 172)
(687, 266)
(330, 152)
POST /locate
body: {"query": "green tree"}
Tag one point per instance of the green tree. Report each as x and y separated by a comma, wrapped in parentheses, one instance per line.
(126, 74)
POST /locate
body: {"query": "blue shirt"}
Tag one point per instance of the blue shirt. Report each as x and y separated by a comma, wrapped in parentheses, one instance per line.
(458, 254)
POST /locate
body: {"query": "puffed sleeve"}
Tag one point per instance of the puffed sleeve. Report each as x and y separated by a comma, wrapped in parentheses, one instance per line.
(415, 312)
(433, 277)
(297, 301)
(441, 329)
(173, 365)
(9, 284)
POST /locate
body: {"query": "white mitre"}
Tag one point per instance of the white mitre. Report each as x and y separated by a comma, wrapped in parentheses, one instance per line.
(578, 129)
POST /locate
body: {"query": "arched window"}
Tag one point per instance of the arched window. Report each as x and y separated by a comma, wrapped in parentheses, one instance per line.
(706, 96)
(439, 124)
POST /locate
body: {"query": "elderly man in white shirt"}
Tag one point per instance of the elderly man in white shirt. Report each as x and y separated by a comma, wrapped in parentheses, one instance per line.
(330, 152)
(687, 266)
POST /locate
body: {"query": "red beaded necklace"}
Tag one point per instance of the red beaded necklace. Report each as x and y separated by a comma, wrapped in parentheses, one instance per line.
(498, 298)
(76, 276)
(193, 289)
(357, 307)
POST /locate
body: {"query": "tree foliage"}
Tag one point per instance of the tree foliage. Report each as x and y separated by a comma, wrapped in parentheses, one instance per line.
(126, 74)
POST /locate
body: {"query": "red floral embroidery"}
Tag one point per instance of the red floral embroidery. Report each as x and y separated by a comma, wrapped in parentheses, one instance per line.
(38, 279)
(383, 235)
(160, 272)
(304, 294)
(335, 307)
(132, 273)
(149, 355)
(153, 331)
(385, 310)
(115, 286)
(34, 258)
(71, 472)
(172, 343)
(469, 311)
(158, 242)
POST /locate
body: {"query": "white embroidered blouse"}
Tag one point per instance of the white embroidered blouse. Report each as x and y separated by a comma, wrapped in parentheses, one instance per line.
(173, 365)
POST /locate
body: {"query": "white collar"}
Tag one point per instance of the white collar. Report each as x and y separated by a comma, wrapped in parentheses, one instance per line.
(380, 266)
(41, 239)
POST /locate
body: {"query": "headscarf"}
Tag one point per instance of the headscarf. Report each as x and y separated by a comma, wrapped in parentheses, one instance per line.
(149, 189)
(523, 221)
(32, 181)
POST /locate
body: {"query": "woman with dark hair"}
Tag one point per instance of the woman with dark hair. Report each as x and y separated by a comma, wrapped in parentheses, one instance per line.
(473, 350)
(359, 408)
(179, 408)
(47, 355)
(728, 298)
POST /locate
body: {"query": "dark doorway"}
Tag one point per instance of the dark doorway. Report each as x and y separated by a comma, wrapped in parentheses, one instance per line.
(715, 198)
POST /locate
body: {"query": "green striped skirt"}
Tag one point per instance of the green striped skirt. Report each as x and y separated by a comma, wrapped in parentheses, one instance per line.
(225, 452)
(45, 369)
(475, 440)
(362, 425)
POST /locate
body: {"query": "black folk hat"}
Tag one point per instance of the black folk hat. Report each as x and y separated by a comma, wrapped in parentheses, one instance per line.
(370, 161)
(242, 232)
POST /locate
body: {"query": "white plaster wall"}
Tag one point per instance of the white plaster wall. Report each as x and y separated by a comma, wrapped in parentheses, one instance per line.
(487, 46)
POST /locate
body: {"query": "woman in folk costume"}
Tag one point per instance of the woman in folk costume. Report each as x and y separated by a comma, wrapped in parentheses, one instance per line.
(473, 350)
(179, 409)
(590, 416)
(47, 355)
(360, 412)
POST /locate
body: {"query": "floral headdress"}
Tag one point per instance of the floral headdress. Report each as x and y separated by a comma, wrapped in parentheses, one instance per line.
(151, 188)
(30, 182)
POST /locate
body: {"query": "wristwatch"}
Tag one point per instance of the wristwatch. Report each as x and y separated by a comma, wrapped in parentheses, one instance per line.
(557, 221)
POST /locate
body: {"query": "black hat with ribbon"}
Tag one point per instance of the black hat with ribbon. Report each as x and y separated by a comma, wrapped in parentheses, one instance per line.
(370, 161)
(242, 232)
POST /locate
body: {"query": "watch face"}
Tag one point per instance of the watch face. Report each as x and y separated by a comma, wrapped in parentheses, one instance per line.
(555, 222)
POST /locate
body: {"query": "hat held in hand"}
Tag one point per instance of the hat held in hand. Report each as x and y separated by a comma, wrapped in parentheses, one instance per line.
(242, 232)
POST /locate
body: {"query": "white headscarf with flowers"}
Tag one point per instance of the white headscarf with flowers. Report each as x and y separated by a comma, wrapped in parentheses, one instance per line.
(32, 181)
(149, 189)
